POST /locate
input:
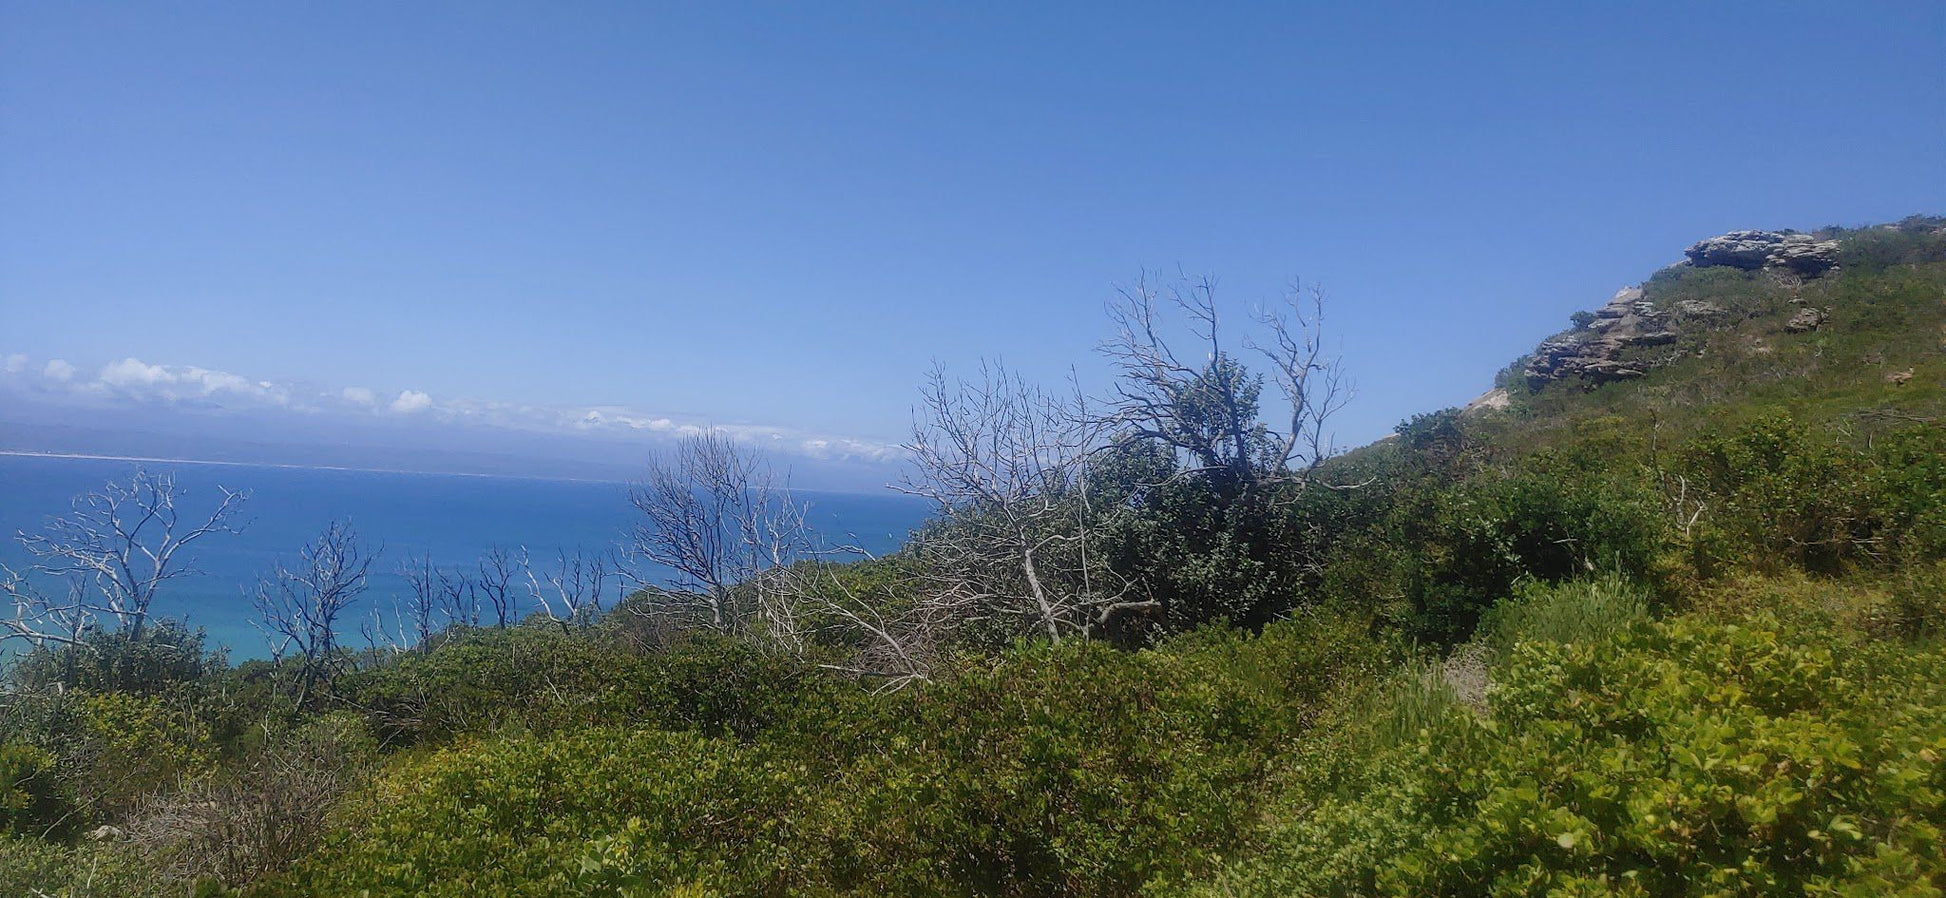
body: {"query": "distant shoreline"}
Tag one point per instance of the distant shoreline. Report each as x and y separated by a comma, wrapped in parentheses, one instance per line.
(144, 459)
(14, 453)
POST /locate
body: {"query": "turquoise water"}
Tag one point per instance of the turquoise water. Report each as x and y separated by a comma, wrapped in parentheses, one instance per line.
(454, 518)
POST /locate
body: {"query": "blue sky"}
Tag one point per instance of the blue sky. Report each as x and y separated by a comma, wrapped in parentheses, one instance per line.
(780, 216)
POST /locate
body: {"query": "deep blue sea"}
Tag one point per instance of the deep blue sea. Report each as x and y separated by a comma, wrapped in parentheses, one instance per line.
(454, 517)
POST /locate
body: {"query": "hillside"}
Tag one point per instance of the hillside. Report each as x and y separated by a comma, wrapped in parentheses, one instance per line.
(1864, 342)
(1663, 614)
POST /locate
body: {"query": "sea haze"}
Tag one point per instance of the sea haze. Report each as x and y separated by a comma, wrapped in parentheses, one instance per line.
(452, 517)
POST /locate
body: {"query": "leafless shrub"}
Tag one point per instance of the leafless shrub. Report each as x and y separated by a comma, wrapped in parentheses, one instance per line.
(257, 818)
(571, 593)
(494, 582)
(1010, 544)
(419, 610)
(1465, 671)
(717, 519)
(299, 606)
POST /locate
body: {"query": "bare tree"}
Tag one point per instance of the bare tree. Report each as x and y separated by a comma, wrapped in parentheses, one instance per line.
(1206, 406)
(495, 583)
(1004, 464)
(423, 597)
(459, 598)
(124, 541)
(571, 593)
(299, 606)
(717, 519)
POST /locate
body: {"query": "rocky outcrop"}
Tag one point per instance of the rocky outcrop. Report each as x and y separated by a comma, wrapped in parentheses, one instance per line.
(1595, 351)
(1494, 400)
(1800, 254)
(1605, 345)
(1694, 308)
(1806, 319)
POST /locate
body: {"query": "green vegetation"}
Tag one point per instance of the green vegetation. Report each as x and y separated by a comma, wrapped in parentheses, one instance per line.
(1683, 634)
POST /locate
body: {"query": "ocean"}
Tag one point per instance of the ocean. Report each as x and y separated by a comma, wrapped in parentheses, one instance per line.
(451, 517)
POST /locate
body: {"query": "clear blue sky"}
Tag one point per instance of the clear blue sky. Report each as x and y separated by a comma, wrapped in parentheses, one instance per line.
(782, 214)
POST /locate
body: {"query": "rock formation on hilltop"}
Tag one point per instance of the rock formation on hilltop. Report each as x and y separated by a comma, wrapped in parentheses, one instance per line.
(1597, 349)
(1594, 351)
(1801, 254)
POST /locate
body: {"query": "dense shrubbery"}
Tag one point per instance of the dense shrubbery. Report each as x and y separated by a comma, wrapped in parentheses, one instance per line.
(1673, 758)
(1078, 769)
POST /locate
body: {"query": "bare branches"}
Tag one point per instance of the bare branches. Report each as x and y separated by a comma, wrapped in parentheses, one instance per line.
(299, 606)
(422, 598)
(571, 593)
(459, 598)
(1004, 463)
(1208, 411)
(717, 520)
(40, 619)
(494, 583)
(123, 542)
(1313, 384)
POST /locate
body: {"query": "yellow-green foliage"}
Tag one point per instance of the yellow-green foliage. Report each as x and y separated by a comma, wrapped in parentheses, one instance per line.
(1078, 769)
(1578, 611)
(36, 867)
(33, 800)
(131, 746)
(1683, 757)
(592, 812)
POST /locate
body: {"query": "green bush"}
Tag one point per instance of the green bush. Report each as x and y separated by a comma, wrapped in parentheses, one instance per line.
(164, 657)
(1565, 613)
(1075, 769)
(598, 811)
(1675, 758)
(33, 799)
(35, 867)
(541, 679)
(1555, 518)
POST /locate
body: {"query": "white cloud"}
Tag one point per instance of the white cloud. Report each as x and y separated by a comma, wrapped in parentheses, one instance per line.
(132, 380)
(132, 374)
(411, 401)
(213, 382)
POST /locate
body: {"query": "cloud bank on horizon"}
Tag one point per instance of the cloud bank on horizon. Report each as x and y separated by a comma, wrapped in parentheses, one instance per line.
(189, 389)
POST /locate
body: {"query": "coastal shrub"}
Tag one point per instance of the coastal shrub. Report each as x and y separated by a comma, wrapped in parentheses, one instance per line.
(33, 799)
(1909, 477)
(1555, 518)
(1080, 769)
(1587, 610)
(1674, 758)
(476, 680)
(258, 814)
(597, 811)
(132, 746)
(167, 655)
(38, 867)
(1777, 493)
(543, 680)
(1072, 769)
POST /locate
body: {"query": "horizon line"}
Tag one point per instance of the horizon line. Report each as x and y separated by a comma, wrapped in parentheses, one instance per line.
(82, 456)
